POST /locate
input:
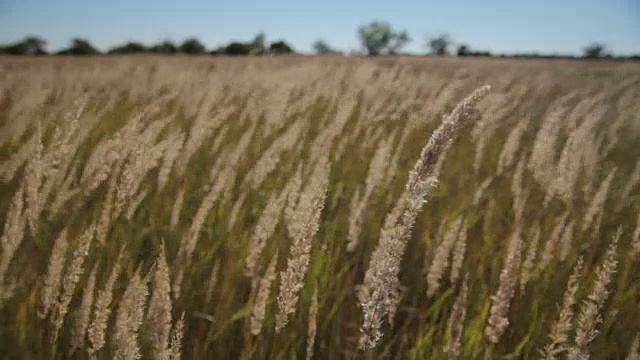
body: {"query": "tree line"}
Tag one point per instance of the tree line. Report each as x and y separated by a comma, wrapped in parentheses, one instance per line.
(33, 45)
(376, 38)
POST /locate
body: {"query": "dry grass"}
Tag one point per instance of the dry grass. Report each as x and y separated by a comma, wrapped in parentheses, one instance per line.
(171, 207)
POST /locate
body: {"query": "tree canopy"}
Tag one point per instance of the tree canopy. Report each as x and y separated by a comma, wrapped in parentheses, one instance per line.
(439, 45)
(378, 37)
(166, 47)
(595, 50)
(192, 46)
(258, 45)
(280, 47)
(321, 47)
(129, 48)
(236, 48)
(80, 47)
(31, 45)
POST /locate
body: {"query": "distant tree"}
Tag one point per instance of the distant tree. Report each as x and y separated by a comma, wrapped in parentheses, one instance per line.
(439, 45)
(259, 43)
(321, 47)
(237, 48)
(80, 47)
(192, 46)
(398, 41)
(166, 47)
(629, 57)
(378, 37)
(35, 45)
(31, 45)
(280, 47)
(10, 49)
(463, 50)
(594, 51)
(129, 48)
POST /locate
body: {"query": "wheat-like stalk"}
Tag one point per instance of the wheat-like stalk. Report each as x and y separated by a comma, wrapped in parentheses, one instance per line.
(292, 201)
(134, 204)
(102, 310)
(307, 217)
(456, 322)
(559, 334)
(51, 286)
(441, 258)
(632, 181)
(597, 204)
(501, 301)
(175, 210)
(71, 279)
(213, 281)
(106, 215)
(262, 297)
(378, 296)
(477, 196)
(566, 240)
(511, 146)
(175, 143)
(457, 256)
(159, 313)
(375, 175)
(238, 207)
(265, 228)
(191, 237)
(129, 318)
(12, 236)
(34, 174)
(176, 339)
(83, 315)
(270, 159)
(553, 239)
(530, 261)
(590, 312)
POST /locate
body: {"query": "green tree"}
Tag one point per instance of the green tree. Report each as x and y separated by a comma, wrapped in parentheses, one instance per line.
(166, 47)
(378, 37)
(35, 45)
(80, 47)
(259, 43)
(594, 51)
(31, 45)
(463, 50)
(280, 47)
(322, 47)
(399, 41)
(192, 46)
(439, 45)
(237, 48)
(129, 48)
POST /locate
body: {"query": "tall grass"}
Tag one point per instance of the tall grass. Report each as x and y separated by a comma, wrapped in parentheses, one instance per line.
(275, 208)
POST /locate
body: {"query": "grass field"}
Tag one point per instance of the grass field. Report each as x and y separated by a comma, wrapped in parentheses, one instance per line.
(159, 207)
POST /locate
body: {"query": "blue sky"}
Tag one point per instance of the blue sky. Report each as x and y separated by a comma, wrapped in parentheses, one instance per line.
(561, 26)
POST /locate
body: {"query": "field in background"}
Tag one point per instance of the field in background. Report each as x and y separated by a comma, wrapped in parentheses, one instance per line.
(194, 206)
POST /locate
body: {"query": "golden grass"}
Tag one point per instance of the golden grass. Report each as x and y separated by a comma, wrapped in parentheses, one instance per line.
(180, 157)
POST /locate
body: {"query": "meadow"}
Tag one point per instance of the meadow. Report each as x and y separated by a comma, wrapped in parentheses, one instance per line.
(319, 207)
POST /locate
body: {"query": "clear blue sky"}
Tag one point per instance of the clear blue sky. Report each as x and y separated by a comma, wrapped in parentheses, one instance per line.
(562, 26)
